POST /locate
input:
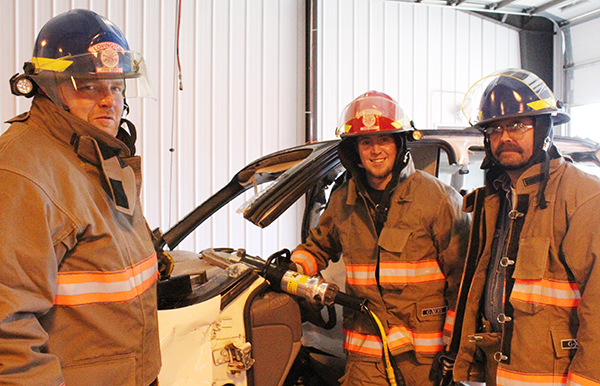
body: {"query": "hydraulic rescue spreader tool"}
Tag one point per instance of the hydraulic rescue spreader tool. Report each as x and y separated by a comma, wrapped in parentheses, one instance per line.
(314, 289)
(275, 269)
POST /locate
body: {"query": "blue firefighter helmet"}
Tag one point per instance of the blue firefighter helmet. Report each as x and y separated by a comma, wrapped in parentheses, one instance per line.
(511, 93)
(83, 44)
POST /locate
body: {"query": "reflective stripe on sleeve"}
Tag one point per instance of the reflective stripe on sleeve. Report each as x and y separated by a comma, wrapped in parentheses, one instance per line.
(512, 378)
(361, 274)
(449, 325)
(363, 344)
(305, 260)
(423, 342)
(545, 291)
(410, 272)
(82, 288)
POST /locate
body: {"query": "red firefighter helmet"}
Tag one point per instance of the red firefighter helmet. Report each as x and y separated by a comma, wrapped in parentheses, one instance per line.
(373, 113)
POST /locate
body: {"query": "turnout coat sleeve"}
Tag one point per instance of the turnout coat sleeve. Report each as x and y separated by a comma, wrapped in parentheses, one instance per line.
(581, 246)
(30, 260)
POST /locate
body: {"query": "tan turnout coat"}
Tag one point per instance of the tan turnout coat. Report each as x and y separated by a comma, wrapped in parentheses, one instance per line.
(78, 283)
(554, 336)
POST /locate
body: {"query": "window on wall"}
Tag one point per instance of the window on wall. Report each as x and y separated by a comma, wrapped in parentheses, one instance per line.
(583, 79)
(584, 121)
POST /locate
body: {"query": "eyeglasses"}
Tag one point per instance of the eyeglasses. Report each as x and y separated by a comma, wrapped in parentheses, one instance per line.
(515, 130)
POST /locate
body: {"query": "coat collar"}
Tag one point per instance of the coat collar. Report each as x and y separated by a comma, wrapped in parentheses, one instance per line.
(531, 178)
(91, 145)
(529, 181)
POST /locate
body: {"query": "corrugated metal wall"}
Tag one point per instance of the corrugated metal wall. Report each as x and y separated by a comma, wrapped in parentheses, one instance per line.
(243, 89)
(583, 63)
(425, 57)
(243, 85)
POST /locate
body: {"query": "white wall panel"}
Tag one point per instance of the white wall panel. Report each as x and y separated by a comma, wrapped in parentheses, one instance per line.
(243, 88)
(424, 57)
(583, 73)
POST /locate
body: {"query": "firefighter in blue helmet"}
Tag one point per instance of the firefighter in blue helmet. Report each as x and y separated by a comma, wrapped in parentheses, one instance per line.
(527, 308)
(78, 298)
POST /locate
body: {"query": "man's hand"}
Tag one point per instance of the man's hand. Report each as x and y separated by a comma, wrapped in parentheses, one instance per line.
(441, 369)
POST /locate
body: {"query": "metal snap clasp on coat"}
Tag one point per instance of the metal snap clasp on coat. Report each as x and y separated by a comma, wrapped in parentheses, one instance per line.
(498, 356)
(503, 318)
(505, 262)
(475, 338)
(514, 214)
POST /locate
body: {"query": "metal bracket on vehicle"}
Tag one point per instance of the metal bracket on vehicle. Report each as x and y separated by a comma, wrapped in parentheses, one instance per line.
(237, 357)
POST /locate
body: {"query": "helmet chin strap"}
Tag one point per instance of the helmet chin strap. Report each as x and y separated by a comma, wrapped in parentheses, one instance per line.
(540, 123)
(546, 145)
(127, 136)
(402, 158)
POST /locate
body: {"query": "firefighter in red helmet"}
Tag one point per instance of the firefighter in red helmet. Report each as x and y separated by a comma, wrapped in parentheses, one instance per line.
(402, 235)
(78, 298)
(528, 302)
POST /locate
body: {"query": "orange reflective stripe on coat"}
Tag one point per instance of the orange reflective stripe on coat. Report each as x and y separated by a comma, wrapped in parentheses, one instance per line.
(394, 273)
(81, 288)
(306, 260)
(361, 274)
(545, 291)
(423, 342)
(512, 378)
(410, 272)
(449, 325)
(363, 344)
(577, 380)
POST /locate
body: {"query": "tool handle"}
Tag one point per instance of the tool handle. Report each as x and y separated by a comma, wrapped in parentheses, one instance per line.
(349, 301)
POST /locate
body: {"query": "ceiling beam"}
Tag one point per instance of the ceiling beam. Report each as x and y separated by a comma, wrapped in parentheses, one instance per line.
(581, 19)
(545, 6)
(500, 4)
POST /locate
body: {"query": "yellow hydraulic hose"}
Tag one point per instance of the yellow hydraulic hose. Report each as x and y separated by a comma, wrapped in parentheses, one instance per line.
(386, 355)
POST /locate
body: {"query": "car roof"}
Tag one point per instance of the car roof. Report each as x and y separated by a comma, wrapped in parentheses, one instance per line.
(291, 173)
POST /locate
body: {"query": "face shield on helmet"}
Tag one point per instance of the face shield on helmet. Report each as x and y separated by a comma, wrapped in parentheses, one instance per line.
(80, 46)
(373, 113)
(510, 93)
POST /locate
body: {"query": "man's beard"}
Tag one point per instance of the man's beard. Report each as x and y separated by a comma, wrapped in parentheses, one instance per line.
(382, 174)
(509, 147)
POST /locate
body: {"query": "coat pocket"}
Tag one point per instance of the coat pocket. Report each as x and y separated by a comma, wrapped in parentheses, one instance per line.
(532, 258)
(393, 241)
(529, 272)
(113, 370)
(565, 347)
(393, 269)
(431, 313)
